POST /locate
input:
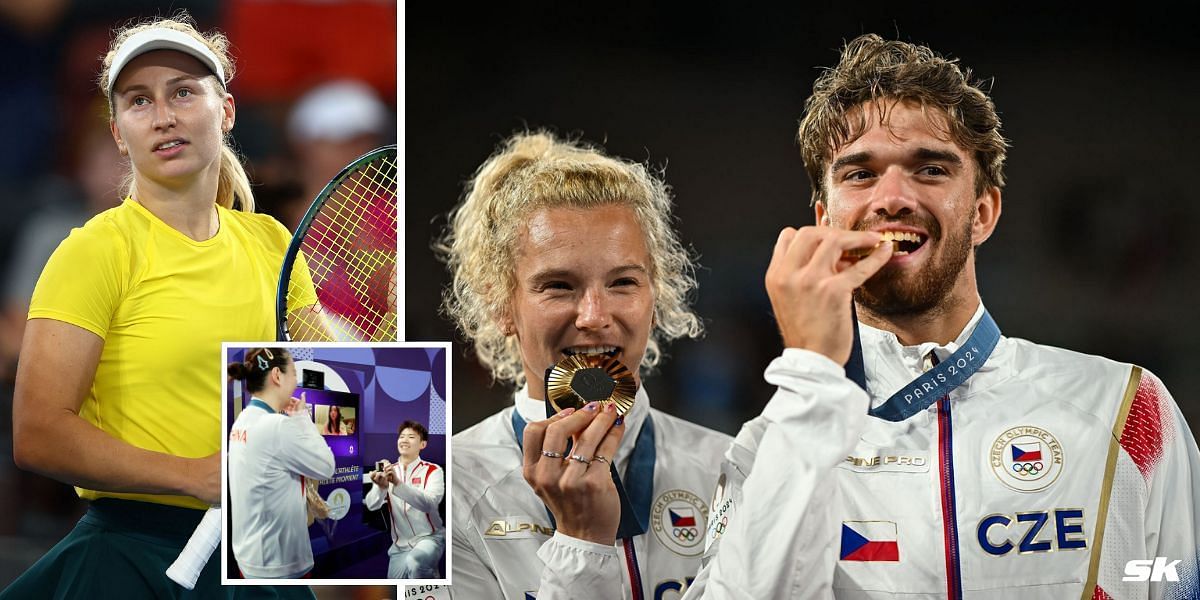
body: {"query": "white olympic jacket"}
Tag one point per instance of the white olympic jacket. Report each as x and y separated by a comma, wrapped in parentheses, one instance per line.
(270, 455)
(499, 524)
(1042, 476)
(412, 505)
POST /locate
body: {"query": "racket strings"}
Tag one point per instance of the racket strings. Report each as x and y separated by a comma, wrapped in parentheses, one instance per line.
(369, 233)
(349, 252)
(361, 262)
(374, 236)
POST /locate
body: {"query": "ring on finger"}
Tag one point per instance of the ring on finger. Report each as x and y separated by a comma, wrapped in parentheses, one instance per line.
(580, 459)
(550, 454)
(601, 458)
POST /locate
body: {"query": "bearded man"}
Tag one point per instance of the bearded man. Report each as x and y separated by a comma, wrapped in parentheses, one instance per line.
(928, 455)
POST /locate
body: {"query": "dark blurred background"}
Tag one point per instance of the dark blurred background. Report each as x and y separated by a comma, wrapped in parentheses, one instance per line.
(1094, 251)
(315, 87)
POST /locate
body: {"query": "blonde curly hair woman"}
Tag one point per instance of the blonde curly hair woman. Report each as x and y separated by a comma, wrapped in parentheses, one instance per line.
(558, 249)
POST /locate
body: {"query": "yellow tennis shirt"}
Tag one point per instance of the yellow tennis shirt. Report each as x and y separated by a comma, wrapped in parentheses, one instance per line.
(163, 303)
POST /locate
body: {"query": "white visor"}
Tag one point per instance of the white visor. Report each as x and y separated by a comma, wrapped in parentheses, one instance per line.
(161, 38)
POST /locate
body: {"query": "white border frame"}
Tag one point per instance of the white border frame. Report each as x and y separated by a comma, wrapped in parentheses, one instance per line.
(400, 584)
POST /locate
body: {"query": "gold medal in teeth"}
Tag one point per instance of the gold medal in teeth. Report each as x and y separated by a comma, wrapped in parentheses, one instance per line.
(582, 378)
(888, 236)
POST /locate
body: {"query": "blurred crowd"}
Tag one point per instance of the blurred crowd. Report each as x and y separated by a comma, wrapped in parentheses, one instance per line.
(315, 87)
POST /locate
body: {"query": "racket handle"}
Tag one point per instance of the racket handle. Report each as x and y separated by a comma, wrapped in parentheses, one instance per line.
(186, 569)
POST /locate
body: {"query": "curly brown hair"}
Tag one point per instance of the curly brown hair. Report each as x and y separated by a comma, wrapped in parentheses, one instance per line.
(872, 69)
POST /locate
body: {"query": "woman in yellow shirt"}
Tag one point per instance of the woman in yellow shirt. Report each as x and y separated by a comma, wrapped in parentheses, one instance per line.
(117, 391)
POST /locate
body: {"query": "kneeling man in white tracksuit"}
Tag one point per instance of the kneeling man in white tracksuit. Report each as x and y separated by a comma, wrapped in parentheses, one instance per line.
(414, 488)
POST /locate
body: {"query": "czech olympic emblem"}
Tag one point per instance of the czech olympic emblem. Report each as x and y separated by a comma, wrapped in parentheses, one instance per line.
(1026, 458)
(679, 519)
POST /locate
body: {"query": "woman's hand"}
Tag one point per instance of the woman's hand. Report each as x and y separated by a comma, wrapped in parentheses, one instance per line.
(57, 368)
(296, 405)
(577, 486)
(206, 478)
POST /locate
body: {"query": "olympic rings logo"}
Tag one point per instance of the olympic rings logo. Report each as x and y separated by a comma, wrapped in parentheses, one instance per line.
(1029, 468)
(685, 534)
(720, 527)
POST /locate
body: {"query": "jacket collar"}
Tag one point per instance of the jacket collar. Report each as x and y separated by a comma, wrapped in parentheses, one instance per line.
(891, 365)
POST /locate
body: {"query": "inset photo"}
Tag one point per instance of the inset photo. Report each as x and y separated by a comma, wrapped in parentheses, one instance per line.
(334, 467)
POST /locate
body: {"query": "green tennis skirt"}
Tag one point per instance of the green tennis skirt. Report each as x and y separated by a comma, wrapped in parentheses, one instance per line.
(121, 549)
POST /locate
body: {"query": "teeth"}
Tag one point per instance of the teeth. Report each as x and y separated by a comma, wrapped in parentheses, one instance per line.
(901, 236)
(889, 236)
(590, 350)
(170, 144)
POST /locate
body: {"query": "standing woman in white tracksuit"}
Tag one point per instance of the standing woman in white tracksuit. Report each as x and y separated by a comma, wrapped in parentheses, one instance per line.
(274, 446)
(414, 489)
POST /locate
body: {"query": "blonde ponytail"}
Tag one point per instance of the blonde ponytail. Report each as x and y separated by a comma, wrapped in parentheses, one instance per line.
(233, 183)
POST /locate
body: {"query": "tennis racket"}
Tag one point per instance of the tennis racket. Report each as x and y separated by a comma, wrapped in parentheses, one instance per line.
(338, 283)
(344, 251)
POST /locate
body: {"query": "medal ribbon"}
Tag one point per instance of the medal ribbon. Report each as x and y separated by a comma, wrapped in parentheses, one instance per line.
(638, 487)
(854, 365)
(935, 383)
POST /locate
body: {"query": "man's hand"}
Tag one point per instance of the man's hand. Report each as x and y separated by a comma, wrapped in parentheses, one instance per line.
(393, 474)
(379, 478)
(811, 282)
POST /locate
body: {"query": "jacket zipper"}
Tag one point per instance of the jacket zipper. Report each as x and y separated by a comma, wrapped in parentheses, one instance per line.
(949, 513)
(631, 563)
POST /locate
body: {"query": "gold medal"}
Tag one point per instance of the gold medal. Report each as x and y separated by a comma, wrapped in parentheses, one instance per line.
(582, 378)
(857, 254)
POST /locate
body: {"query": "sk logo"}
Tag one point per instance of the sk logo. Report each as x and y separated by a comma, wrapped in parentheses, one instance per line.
(1151, 570)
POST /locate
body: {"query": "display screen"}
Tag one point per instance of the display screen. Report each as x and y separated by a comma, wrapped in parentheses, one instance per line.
(335, 419)
(336, 416)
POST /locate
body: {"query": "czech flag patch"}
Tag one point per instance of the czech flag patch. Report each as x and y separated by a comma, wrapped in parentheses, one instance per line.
(870, 541)
(1026, 452)
(682, 517)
